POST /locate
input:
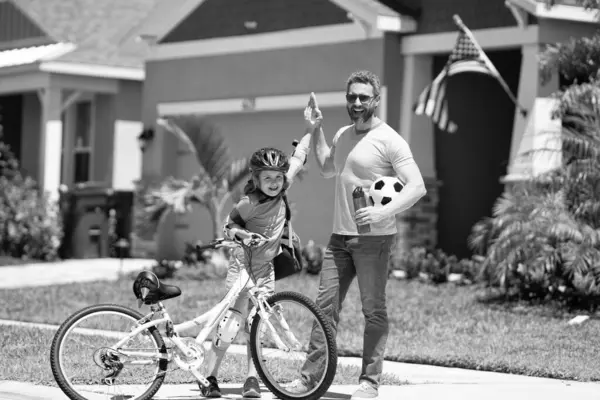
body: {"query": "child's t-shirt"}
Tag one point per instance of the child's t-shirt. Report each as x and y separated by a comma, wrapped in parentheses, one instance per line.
(263, 216)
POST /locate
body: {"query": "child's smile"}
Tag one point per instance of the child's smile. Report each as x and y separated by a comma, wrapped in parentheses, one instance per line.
(271, 182)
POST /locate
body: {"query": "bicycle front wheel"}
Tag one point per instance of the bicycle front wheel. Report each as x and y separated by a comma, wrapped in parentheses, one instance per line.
(87, 363)
(280, 347)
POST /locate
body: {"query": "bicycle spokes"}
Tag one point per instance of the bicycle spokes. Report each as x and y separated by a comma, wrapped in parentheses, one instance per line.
(282, 341)
(94, 367)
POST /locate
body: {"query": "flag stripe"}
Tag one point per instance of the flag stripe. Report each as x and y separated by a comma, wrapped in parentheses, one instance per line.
(468, 66)
(465, 57)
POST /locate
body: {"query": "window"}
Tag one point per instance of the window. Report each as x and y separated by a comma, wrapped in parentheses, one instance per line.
(82, 149)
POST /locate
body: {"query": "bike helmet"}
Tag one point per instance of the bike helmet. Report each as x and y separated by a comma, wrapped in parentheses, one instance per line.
(269, 159)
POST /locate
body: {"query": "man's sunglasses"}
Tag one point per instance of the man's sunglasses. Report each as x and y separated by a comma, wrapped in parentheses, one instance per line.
(351, 98)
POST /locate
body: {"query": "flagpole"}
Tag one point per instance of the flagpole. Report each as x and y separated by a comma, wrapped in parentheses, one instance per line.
(490, 65)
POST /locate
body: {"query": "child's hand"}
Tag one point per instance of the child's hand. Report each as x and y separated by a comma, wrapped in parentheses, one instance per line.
(312, 115)
(255, 240)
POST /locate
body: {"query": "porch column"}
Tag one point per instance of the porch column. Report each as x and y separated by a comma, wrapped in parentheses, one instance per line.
(50, 140)
(530, 87)
(418, 226)
(417, 130)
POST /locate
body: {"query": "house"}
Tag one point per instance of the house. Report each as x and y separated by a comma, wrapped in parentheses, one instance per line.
(248, 66)
(71, 81)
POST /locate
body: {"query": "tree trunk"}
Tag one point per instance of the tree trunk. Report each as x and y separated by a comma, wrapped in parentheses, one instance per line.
(217, 220)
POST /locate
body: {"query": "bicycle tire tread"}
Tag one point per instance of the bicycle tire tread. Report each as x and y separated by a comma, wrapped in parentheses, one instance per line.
(329, 338)
(64, 327)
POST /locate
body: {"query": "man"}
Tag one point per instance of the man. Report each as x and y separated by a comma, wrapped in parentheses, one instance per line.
(360, 153)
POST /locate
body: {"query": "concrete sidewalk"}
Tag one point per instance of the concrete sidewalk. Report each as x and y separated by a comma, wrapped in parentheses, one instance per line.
(11, 390)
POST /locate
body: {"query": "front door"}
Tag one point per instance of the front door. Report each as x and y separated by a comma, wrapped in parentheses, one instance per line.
(471, 161)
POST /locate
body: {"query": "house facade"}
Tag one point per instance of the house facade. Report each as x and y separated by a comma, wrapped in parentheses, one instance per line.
(249, 67)
(71, 88)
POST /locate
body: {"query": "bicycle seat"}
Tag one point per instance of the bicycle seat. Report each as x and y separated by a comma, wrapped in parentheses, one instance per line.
(156, 290)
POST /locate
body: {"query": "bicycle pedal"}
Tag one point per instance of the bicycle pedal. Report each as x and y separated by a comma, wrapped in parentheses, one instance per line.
(204, 382)
(200, 378)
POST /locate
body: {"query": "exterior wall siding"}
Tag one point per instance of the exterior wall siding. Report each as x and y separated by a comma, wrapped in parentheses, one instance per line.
(317, 68)
(436, 15)
(418, 226)
(223, 18)
(553, 31)
(129, 101)
(16, 28)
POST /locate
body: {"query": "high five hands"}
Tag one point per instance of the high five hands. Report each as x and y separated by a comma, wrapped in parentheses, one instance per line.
(312, 115)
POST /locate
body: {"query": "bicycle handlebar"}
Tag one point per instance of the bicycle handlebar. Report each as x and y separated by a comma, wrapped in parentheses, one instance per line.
(213, 244)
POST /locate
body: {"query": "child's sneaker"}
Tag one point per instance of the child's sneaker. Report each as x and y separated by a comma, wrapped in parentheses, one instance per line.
(212, 390)
(251, 388)
(365, 391)
(297, 386)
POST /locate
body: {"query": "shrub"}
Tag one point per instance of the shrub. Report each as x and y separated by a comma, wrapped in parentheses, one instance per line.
(313, 256)
(543, 241)
(30, 225)
(435, 266)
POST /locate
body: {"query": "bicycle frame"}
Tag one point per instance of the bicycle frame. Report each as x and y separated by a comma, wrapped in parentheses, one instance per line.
(209, 319)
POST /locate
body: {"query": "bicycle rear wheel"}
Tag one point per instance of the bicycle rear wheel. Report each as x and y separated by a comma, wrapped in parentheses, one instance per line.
(296, 320)
(87, 366)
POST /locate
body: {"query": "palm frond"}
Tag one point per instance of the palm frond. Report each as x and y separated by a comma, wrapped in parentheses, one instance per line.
(204, 140)
(238, 172)
(482, 236)
(578, 258)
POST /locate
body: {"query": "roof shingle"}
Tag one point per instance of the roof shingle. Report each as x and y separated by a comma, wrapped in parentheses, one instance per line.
(101, 29)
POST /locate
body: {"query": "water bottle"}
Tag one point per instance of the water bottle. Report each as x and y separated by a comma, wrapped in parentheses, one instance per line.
(359, 200)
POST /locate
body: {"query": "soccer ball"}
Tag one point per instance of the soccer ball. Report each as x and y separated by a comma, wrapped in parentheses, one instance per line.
(383, 190)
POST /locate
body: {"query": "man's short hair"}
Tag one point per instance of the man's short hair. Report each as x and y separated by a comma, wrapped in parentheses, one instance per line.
(365, 77)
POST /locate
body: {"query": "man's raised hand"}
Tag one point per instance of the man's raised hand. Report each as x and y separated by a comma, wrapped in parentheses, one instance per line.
(312, 115)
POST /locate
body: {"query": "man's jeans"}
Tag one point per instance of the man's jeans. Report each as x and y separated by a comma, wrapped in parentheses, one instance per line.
(365, 257)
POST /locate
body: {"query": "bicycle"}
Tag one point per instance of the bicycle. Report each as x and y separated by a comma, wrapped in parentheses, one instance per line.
(109, 353)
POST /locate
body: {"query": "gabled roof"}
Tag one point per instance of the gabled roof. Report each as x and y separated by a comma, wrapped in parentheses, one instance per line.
(383, 15)
(100, 29)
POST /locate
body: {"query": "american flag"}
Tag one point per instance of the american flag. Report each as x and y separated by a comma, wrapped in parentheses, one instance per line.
(465, 57)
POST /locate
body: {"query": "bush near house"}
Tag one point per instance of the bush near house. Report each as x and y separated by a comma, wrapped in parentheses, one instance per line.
(543, 242)
(30, 225)
(434, 266)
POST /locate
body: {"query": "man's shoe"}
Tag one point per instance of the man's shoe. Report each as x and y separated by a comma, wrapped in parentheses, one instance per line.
(251, 389)
(212, 390)
(365, 391)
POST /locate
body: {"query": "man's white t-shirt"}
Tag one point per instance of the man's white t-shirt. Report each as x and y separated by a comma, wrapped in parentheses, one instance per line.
(359, 160)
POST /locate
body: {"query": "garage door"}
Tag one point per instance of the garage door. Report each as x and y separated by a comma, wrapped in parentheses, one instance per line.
(312, 197)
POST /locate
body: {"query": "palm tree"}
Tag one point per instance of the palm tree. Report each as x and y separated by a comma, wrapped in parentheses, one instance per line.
(218, 178)
(544, 237)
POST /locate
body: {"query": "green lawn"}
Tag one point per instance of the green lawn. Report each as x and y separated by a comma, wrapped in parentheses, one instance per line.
(439, 325)
(6, 261)
(26, 358)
